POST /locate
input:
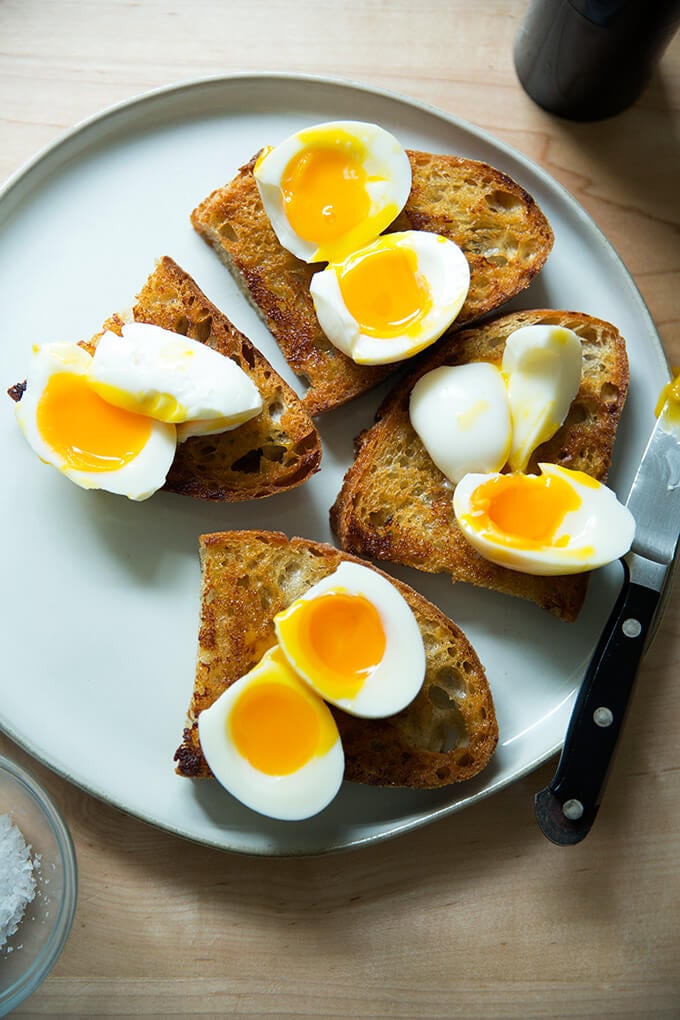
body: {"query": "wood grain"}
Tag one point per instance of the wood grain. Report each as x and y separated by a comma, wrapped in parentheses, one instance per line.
(477, 915)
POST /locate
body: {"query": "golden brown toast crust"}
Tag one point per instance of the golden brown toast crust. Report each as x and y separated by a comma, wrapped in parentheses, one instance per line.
(447, 734)
(502, 231)
(396, 505)
(277, 450)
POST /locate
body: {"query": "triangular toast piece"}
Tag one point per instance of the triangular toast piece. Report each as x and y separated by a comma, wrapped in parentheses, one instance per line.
(396, 505)
(505, 237)
(447, 734)
(277, 450)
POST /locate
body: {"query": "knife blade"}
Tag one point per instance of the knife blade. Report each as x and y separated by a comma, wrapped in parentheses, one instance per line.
(566, 809)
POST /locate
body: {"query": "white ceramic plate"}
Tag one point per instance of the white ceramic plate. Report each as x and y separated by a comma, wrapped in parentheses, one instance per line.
(100, 595)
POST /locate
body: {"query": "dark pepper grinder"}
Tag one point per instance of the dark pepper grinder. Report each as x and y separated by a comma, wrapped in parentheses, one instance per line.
(590, 59)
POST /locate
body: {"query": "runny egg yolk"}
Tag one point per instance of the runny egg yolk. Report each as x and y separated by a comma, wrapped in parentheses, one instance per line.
(324, 193)
(669, 402)
(526, 509)
(384, 292)
(336, 640)
(278, 728)
(89, 433)
(161, 406)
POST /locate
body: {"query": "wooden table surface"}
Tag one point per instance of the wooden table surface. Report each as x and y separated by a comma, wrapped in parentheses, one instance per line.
(476, 915)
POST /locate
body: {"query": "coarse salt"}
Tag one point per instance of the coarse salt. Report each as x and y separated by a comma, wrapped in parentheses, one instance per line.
(17, 881)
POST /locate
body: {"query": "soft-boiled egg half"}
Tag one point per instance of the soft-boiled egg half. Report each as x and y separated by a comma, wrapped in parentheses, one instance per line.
(332, 188)
(392, 298)
(479, 417)
(153, 371)
(273, 743)
(354, 639)
(558, 522)
(112, 420)
(92, 442)
(542, 364)
(462, 415)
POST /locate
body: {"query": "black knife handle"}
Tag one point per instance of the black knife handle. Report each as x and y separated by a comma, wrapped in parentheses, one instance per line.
(566, 808)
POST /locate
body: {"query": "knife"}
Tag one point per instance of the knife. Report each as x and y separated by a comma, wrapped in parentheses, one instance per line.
(566, 809)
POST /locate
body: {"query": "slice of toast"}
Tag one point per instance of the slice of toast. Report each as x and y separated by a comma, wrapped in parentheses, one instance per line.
(277, 450)
(505, 237)
(396, 505)
(448, 732)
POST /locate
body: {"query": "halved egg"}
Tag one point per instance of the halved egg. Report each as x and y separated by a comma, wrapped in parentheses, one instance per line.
(96, 445)
(558, 522)
(153, 371)
(394, 297)
(354, 639)
(332, 188)
(273, 743)
(542, 364)
(462, 416)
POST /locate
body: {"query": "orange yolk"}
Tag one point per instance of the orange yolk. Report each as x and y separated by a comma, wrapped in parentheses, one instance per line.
(384, 292)
(276, 728)
(324, 192)
(527, 510)
(670, 395)
(336, 639)
(88, 433)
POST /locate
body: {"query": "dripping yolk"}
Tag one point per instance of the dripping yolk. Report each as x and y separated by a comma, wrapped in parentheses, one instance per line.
(87, 432)
(526, 510)
(383, 290)
(336, 640)
(324, 193)
(670, 395)
(278, 727)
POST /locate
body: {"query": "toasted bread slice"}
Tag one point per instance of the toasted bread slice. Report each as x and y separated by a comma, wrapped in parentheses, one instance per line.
(503, 233)
(278, 449)
(396, 505)
(447, 734)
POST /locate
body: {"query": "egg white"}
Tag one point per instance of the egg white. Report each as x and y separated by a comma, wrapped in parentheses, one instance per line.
(172, 378)
(398, 677)
(599, 531)
(462, 416)
(294, 796)
(389, 183)
(542, 364)
(139, 478)
(439, 261)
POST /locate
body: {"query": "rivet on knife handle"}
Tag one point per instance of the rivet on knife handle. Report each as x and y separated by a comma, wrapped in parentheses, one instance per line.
(567, 807)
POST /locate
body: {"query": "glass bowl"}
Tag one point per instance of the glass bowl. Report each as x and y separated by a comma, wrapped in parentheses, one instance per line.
(28, 955)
